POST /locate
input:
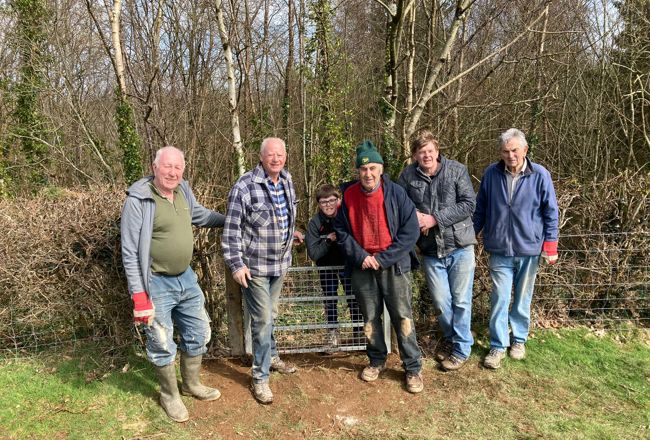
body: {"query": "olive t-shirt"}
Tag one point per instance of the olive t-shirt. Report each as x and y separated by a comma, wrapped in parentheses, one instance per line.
(172, 240)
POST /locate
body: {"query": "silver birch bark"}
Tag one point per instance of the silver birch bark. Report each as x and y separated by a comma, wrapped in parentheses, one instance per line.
(114, 18)
(232, 88)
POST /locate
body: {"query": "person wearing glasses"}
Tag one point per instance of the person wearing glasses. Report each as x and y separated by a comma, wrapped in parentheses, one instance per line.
(323, 249)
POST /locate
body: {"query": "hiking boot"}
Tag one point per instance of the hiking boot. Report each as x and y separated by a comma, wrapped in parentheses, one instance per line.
(192, 386)
(493, 359)
(262, 392)
(452, 363)
(442, 351)
(414, 383)
(170, 399)
(518, 351)
(370, 373)
(333, 337)
(281, 366)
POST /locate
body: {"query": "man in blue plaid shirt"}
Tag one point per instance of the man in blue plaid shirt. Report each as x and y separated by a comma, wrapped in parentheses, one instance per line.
(257, 238)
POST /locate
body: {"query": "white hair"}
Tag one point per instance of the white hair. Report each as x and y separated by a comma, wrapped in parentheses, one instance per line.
(266, 141)
(513, 133)
(167, 149)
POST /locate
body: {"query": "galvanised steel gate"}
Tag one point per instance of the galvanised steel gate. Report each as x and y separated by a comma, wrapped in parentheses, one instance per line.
(302, 324)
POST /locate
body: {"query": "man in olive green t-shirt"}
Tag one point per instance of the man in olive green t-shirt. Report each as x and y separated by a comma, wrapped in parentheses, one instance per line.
(157, 245)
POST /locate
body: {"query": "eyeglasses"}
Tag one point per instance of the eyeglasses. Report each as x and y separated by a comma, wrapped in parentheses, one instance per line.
(328, 202)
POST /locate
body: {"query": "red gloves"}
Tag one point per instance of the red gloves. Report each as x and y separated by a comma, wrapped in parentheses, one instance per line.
(549, 251)
(143, 309)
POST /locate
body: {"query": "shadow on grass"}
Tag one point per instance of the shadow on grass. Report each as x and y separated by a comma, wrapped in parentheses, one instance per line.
(128, 371)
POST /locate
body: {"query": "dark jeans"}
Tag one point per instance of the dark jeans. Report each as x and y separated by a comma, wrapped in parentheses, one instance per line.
(372, 289)
(329, 281)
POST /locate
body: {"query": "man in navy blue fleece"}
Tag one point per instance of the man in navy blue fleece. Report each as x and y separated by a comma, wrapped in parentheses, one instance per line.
(517, 211)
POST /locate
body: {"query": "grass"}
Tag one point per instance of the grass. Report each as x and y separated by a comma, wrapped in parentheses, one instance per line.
(63, 397)
(574, 384)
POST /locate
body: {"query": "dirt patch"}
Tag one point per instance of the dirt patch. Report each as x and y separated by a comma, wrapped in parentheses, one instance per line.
(325, 398)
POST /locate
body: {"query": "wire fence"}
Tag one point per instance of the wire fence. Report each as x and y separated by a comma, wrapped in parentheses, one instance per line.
(600, 280)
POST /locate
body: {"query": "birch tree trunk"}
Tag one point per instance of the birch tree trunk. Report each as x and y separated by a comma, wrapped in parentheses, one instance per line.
(459, 92)
(413, 117)
(288, 77)
(536, 107)
(410, 57)
(396, 11)
(429, 90)
(114, 18)
(232, 88)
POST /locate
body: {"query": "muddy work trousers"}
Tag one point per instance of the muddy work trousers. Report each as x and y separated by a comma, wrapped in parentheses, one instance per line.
(373, 288)
(178, 301)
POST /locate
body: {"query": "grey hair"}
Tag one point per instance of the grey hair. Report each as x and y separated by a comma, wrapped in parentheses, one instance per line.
(266, 141)
(167, 149)
(513, 133)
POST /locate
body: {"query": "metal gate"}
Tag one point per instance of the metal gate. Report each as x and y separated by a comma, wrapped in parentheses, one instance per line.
(302, 324)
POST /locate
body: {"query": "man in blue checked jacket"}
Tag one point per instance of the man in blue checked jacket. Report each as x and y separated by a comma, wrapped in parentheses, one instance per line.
(257, 238)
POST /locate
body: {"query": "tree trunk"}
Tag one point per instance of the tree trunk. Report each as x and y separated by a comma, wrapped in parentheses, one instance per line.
(232, 88)
(117, 45)
(536, 107)
(288, 77)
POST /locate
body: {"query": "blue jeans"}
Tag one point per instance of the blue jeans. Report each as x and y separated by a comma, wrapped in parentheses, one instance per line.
(372, 289)
(262, 296)
(505, 271)
(178, 300)
(329, 281)
(450, 280)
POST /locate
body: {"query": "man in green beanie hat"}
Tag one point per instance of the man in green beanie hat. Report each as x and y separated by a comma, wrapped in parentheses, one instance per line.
(377, 228)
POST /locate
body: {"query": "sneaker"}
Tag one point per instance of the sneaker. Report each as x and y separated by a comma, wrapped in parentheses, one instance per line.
(518, 351)
(370, 373)
(442, 351)
(262, 392)
(281, 366)
(414, 383)
(452, 363)
(493, 359)
(333, 337)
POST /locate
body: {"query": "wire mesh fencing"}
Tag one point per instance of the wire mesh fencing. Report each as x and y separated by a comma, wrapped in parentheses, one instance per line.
(601, 280)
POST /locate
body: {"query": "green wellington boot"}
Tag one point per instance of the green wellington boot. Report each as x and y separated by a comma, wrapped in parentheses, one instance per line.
(170, 399)
(192, 386)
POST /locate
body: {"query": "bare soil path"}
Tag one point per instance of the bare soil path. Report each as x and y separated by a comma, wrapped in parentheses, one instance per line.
(324, 399)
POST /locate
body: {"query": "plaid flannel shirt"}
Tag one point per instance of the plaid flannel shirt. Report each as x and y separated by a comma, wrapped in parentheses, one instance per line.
(252, 234)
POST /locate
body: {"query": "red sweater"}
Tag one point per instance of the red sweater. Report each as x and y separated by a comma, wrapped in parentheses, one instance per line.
(368, 218)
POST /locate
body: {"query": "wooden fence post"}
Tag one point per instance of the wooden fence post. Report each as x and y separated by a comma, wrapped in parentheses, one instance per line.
(235, 315)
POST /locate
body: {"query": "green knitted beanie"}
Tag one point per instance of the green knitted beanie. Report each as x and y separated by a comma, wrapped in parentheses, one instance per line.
(367, 153)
